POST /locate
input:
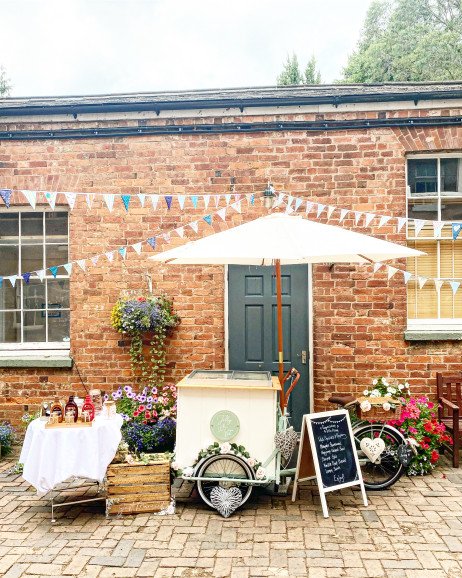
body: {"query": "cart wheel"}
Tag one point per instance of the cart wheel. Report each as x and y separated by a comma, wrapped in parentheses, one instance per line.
(226, 466)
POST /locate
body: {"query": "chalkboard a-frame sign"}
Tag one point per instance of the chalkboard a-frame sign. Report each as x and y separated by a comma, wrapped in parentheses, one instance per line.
(327, 452)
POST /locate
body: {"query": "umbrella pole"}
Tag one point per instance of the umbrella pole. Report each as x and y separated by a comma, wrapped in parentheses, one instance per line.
(280, 341)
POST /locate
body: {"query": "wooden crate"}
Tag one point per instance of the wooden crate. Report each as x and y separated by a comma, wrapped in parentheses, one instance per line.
(135, 488)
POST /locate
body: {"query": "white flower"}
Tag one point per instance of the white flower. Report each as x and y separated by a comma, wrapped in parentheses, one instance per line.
(374, 382)
(225, 448)
(251, 462)
(174, 465)
(391, 390)
(406, 385)
(401, 387)
(386, 406)
(375, 393)
(385, 382)
(188, 471)
(365, 405)
(366, 392)
(260, 473)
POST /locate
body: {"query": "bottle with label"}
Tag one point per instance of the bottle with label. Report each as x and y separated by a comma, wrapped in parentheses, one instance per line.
(72, 406)
(57, 409)
(88, 406)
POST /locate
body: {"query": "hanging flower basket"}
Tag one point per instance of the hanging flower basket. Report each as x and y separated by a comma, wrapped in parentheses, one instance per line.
(379, 408)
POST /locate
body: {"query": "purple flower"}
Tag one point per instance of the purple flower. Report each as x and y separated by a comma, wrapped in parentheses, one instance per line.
(154, 390)
(114, 395)
(131, 395)
(142, 398)
(149, 399)
(106, 397)
(138, 397)
(127, 388)
(155, 400)
(149, 406)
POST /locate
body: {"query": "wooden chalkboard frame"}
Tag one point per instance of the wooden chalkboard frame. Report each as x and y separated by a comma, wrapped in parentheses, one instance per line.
(308, 462)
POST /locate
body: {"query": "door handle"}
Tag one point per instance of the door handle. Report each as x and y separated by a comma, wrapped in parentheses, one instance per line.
(304, 357)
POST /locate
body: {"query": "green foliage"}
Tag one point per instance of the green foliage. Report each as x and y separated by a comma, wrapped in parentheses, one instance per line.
(5, 85)
(7, 438)
(409, 40)
(291, 72)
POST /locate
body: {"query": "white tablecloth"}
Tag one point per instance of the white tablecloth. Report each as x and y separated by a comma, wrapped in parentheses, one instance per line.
(51, 456)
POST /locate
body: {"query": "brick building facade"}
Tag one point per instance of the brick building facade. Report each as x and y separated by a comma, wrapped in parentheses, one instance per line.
(345, 146)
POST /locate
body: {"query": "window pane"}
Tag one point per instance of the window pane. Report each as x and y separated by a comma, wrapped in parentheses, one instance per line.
(423, 303)
(451, 181)
(31, 226)
(423, 209)
(451, 209)
(56, 255)
(58, 325)
(58, 293)
(34, 326)
(31, 258)
(10, 297)
(10, 329)
(34, 294)
(56, 227)
(9, 257)
(422, 176)
(9, 227)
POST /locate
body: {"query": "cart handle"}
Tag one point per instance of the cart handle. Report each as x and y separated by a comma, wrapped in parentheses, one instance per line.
(293, 375)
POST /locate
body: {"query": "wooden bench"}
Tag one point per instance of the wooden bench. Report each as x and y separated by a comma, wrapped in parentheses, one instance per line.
(449, 391)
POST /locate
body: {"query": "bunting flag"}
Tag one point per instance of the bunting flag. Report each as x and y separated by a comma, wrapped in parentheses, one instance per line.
(368, 218)
(109, 200)
(330, 210)
(126, 200)
(391, 271)
(181, 200)
(383, 221)
(237, 207)
(180, 231)
(358, 215)
(41, 274)
(343, 214)
(217, 201)
(137, 247)
(438, 283)
(407, 276)
(26, 277)
(437, 227)
(377, 266)
(289, 201)
(51, 198)
(95, 259)
(31, 197)
(168, 201)
(54, 271)
(152, 241)
(454, 286)
(298, 202)
(320, 210)
(166, 237)
(222, 213)
(237, 197)
(309, 206)
(154, 201)
(122, 251)
(456, 230)
(5, 194)
(141, 197)
(1, 282)
(208, 219)
(68, 268)
(89, 198)
(82, 264)
(421, 281)
(194, 201)
(70, 198)
(194, 226)
(110, 256)
(206, 201)
(12, 279)
(419, 225)
(401, 223)
(227, 199)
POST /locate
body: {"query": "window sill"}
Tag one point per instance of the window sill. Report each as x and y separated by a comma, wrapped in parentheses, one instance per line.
(433, 335)
(18, 360)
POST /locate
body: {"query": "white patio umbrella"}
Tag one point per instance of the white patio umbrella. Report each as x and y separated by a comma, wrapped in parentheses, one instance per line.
(280, 239)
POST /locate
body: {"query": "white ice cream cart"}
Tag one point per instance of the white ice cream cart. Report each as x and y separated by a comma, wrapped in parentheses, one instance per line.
(235, 414)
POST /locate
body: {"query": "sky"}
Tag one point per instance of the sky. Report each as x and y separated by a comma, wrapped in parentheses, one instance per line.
(65, 47)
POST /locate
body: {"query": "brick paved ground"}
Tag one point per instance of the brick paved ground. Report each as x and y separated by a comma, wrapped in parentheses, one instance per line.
(412, 531)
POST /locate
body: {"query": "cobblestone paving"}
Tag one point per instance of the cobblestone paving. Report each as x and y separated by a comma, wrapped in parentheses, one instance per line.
(411, 531)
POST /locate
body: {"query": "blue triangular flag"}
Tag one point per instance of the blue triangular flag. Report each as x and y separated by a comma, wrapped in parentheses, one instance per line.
(194, 201)
(208, 219)
(123, 251)
(6, 196)
(152, 242)
(454, 286)
(168, 200)
(1, 282)
(54, 271)
(252, 199)
(456, 227)
(26, 277)
(126, 200)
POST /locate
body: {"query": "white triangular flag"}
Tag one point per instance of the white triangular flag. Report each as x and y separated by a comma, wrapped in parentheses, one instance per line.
(41, 274)
(181, 200)
(222, 213)
(437, 226)
(368, 218)
(109, 200)
(290, 198)
(391, 271)
(237, 206)
(343, 214)
(248, 196)
(82, 264)
(110, 256)
(377, 266)
(166, 237)
(358, 215)
(383, 221)
(418, 224)
(309, 206)
(89, 198)
(137, 247)
(217, 200)
(142, 198)
(279, 199)
(422, 281)
(407, 276)
(51, 198)
(401, 223)
(298, 202)
(31, 197)
(228, 199)
(330, 210)
(289, 210)
(320, 210)
(70, 198)
(438, 284)
(68, 267)
(180, 232)
(206, 200)
(194, 226)
(94, 259)
(237, 197)
(154, 201)
(12, 279)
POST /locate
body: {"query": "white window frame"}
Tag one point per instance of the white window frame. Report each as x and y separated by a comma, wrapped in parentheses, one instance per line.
(440, 324)
(31, 348)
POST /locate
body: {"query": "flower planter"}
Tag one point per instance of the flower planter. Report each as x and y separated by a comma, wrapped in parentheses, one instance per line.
(138, 487)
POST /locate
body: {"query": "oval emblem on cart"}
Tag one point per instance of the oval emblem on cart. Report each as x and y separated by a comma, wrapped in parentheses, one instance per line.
(224, 425)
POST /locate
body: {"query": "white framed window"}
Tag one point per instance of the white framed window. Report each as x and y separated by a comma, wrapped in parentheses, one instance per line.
(434, 193)
(34, 315)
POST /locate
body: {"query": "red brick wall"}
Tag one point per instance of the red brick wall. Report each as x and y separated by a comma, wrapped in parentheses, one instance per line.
(359, 318)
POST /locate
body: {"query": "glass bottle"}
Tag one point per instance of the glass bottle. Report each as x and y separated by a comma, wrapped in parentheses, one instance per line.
(88, 406)
(72, 406)
(57, 409)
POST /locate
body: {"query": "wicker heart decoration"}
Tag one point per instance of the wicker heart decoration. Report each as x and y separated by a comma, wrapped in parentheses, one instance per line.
(225, 501)
(373, 448)
(286, 441)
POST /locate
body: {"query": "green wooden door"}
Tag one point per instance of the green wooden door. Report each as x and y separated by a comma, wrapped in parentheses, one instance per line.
(252, 322)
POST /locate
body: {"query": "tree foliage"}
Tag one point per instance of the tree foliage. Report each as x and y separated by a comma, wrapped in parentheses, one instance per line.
(409, 40)
(291, 73)
(5, 86)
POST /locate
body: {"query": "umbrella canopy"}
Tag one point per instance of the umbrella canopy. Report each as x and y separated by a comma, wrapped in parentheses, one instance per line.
(280, 239)
(289, 239)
